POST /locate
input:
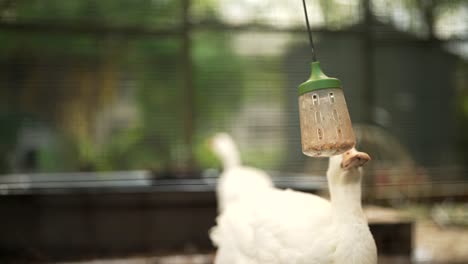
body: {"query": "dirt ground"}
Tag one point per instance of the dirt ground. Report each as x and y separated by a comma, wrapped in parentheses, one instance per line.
(436, 244)
(187, 259)
(432, 244)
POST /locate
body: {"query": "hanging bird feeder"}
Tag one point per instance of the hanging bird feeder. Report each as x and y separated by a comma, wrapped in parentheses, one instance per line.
(326, 128)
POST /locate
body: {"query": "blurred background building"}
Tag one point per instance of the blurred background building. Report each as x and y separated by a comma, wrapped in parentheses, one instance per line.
(121, 85)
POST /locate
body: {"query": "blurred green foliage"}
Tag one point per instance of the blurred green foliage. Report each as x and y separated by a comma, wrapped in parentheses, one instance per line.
(112, 12)
(76, 84)
(147, 71)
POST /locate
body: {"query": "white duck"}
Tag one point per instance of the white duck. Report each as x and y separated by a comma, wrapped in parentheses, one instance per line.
(236, 182)
(286, 226)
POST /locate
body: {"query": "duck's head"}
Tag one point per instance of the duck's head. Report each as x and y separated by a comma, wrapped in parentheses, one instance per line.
(353, 159)
(346, 167)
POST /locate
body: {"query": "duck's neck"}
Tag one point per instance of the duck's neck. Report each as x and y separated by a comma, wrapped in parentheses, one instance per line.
(355, 244)
(345, 195)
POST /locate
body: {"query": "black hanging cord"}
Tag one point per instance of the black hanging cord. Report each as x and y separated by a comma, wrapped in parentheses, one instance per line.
(314, 58)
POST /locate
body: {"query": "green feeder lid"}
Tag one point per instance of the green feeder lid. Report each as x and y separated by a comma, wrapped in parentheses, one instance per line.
(318, 80)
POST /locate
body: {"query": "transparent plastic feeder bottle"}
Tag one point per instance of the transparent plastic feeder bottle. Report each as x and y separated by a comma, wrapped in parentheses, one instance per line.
(326, 128)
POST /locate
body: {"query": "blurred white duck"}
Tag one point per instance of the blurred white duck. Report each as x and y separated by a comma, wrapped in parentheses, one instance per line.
(286, 226)
(236, 182)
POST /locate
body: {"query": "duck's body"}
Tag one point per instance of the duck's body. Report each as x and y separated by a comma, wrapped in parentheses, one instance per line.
(236, 182)
(275, 229)
(240, 182)
(285, 226)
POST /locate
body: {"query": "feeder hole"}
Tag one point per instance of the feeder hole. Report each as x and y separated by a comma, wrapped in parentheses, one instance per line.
(319, 133)
(339, 132)
(315, 100)
(317, 117)
(335, 114)
(332, 98)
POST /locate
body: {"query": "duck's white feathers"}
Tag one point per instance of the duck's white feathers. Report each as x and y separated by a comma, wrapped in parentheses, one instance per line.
(289, 227)
(275, 228)
(236, 181)
(240, 183)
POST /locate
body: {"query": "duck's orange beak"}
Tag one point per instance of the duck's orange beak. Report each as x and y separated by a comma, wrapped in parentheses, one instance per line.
(354, 159)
